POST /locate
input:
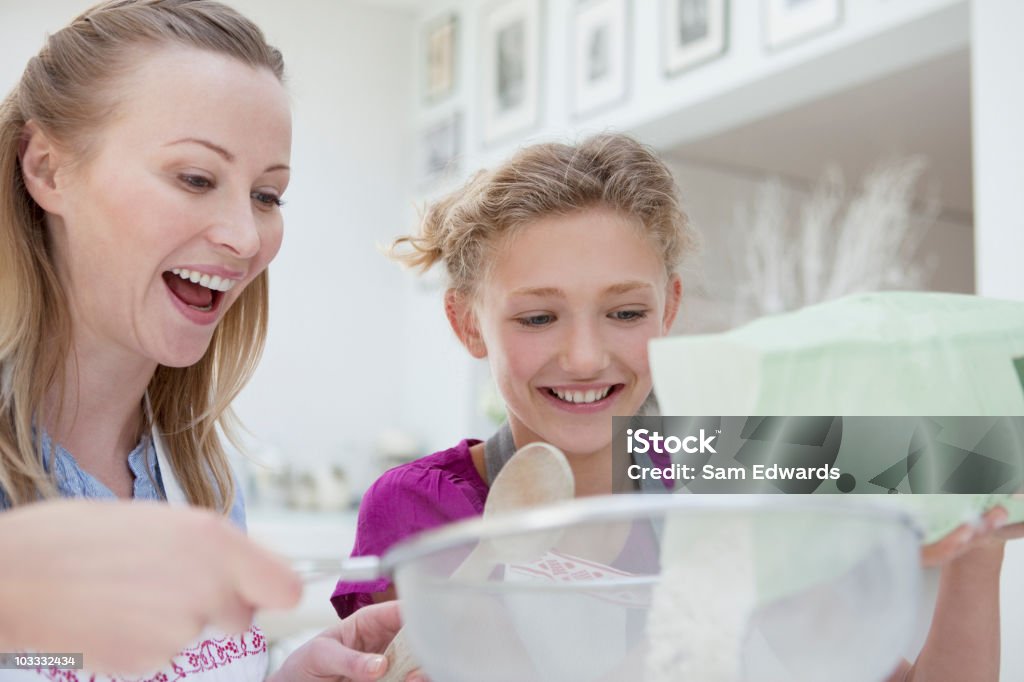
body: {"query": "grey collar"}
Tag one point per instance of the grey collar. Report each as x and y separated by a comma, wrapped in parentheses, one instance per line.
(498, 449)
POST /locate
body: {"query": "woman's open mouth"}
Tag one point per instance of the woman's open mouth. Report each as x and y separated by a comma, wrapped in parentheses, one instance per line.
(197, 291)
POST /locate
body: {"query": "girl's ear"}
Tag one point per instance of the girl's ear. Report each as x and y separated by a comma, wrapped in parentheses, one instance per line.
(462, 319)
(673, 298)
(39, 160)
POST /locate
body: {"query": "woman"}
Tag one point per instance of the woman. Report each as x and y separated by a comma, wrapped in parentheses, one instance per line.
(144, 154)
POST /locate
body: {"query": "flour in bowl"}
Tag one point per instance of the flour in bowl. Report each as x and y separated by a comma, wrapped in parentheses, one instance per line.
(702, 605)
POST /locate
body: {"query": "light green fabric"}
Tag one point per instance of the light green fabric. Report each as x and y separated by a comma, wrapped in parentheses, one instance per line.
(938, 515)
(891, 353)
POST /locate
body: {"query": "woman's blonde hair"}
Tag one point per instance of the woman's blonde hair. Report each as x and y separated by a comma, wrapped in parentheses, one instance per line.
(68, 90)
(466, 228)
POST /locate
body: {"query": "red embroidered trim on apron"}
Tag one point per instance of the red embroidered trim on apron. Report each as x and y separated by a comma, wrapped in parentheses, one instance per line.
(206, 655)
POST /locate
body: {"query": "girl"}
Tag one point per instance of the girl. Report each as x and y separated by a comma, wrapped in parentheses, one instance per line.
(562, 268)
(143, 158)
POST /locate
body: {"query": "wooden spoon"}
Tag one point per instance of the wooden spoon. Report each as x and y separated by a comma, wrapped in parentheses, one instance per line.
(538, 474)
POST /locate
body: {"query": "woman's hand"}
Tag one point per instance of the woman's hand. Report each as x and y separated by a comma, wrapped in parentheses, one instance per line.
(350, 650)
(964, 639)
(129, 584)
(987, 536)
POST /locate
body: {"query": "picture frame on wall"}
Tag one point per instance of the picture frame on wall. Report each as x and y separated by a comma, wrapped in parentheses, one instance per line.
(440, 149)
(694, 32)
(440, 55)
(789, 21)
(600, 35)
(510, 43)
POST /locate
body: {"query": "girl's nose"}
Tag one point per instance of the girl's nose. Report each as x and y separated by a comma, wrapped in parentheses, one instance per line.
(585, 353)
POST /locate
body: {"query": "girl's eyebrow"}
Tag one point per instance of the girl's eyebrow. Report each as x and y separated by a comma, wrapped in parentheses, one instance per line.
(538, 291)
(626, 287)
(614, 289)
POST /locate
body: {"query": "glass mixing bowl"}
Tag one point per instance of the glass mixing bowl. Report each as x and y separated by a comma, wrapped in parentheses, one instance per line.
(655, 588)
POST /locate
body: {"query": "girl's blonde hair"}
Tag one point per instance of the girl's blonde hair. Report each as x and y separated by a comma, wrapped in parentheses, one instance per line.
(464, 229)
(68, 89)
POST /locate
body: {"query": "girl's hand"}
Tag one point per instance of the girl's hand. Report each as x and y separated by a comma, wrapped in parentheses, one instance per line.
(988, 534)
(349, 651)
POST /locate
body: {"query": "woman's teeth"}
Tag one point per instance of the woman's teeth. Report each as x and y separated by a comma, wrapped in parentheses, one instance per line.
(591, 396)
(215, 282)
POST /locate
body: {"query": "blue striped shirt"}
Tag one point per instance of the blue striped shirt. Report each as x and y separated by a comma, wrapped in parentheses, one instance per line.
(73, 481)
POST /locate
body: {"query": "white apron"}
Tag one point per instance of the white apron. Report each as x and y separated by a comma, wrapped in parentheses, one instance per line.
(213, 657)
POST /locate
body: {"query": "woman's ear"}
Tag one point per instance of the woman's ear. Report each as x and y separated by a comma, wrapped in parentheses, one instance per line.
(459, 310)
(673, 298)
(39, 158)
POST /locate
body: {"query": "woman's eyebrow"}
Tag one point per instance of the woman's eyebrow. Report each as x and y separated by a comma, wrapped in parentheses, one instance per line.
(227, 156)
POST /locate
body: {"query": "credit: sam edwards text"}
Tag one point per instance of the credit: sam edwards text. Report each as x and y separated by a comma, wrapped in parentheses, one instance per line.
(709, 472)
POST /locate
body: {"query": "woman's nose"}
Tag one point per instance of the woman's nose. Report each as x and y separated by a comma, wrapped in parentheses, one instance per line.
(236, 229)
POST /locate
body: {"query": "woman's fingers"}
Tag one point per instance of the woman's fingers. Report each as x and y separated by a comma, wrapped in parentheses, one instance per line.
(948, 548)
(74, 587)
(263, 579)
(1010, 532)
(990, 528)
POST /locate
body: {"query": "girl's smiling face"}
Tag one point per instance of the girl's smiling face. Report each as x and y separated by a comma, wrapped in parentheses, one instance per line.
(564, 317)
(182, 183)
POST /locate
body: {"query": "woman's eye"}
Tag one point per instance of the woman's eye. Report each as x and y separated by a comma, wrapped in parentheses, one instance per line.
(196, 182)
(267, 198)
(536, 320)
(629, 315)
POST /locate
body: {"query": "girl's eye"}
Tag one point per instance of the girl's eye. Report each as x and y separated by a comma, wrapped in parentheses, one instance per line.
(267, 199)
(196, 183)
(536, 320)
(629, 315)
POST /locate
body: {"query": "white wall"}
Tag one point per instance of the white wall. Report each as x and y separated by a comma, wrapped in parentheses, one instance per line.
(997, 107)
(331, 378)
(874, 37)
(710, 195)
(23, 27)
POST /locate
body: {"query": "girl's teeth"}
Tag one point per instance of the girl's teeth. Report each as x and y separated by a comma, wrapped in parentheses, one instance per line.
(590, 396)
(214, 282)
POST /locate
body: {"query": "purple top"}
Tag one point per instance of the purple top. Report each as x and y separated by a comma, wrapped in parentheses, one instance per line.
(423, 494)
